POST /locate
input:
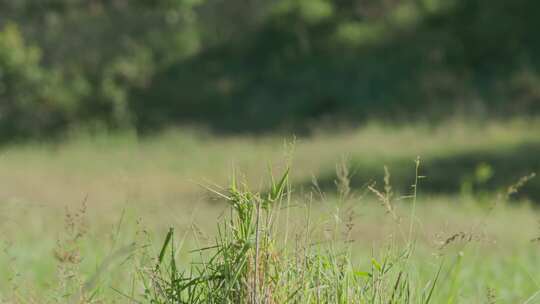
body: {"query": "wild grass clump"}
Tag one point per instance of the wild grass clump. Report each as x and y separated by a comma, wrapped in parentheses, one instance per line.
(253, 260)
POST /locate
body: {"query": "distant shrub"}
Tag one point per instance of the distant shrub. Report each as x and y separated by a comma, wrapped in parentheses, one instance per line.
(33, 100)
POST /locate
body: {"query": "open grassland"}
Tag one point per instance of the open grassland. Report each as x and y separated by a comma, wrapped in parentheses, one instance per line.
(68, 207)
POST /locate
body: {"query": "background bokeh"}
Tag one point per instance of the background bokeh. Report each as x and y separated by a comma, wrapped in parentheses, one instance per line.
(262, 65)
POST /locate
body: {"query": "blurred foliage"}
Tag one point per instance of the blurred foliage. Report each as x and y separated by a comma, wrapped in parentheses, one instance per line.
(35, 100)
(251, 65)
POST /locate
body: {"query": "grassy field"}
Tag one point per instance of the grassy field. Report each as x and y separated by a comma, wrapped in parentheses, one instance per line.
(67, 208)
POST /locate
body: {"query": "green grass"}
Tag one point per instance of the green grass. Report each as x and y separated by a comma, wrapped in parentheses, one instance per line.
(135, 189)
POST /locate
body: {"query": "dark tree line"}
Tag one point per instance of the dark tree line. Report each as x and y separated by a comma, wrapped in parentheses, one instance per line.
(256, 65)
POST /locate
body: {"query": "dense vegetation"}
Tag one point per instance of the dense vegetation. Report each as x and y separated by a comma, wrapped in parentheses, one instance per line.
(258, 65)
(422, 154)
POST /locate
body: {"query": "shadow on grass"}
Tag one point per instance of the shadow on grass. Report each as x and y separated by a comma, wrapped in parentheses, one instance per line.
(477, 171)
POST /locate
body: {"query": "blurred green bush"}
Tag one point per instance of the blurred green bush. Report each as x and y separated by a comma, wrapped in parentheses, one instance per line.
(35, 100)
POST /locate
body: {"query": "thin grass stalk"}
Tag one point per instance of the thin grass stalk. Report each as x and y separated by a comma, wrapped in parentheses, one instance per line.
(257, 232)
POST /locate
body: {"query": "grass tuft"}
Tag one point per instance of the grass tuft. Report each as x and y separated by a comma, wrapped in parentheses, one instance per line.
(248, 264)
